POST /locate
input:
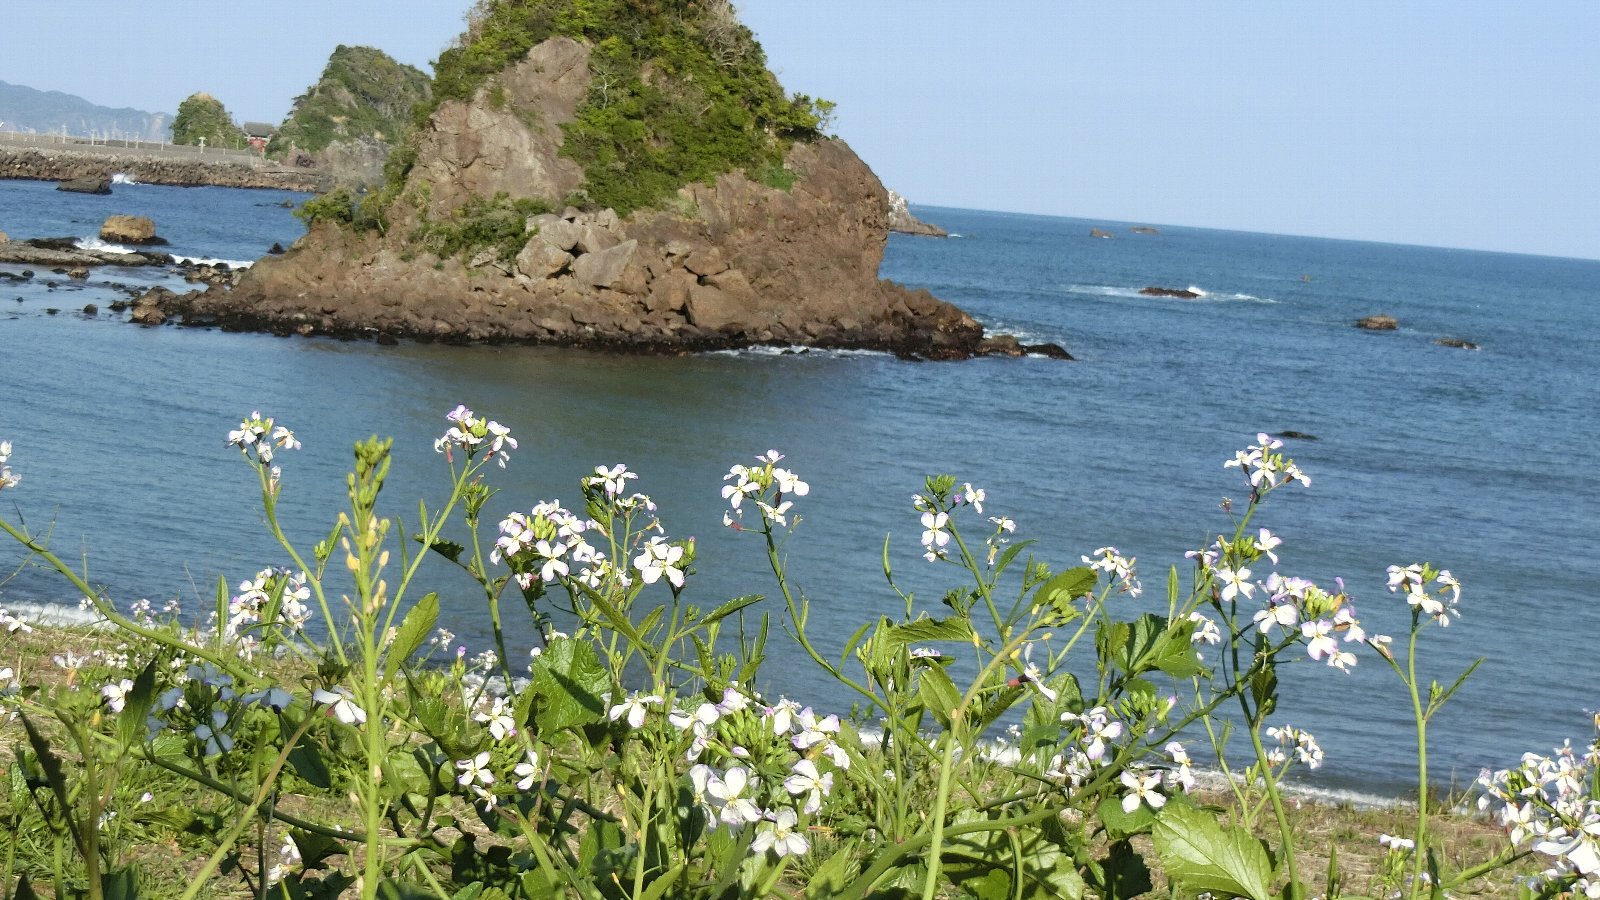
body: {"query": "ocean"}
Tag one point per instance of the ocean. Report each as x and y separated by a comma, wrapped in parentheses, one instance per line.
(1481, 461)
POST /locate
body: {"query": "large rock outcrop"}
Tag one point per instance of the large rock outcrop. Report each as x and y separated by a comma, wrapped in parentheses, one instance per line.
(901, 219)
(730, 262)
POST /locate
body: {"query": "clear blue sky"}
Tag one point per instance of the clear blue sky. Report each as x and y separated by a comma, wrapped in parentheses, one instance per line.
(1466, 124)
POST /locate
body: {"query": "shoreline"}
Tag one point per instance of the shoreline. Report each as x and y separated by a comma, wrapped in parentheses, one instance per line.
(177, 168)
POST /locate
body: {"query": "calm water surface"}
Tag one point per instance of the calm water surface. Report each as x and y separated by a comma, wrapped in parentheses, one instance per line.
(1484, 462)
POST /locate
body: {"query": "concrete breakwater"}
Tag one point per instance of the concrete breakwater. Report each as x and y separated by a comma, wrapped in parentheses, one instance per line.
(174, 165)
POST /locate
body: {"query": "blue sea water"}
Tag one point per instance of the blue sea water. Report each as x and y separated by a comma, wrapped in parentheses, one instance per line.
(1482, 461)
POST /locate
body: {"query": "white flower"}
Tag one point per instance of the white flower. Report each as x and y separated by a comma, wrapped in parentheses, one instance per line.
(971, 495)
(1143, 788)
(634, 708)
(806, 780)
(474, 770)
(527, 771)
(1235, 582)
(778, 835)
(7, 477)
(613, 480)
(729, 791)
(660, 559)
(342, 705)
(499, 719)
(116, 693)
(789, 483)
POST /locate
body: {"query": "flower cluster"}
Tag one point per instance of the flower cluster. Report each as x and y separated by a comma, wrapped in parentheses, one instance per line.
(1265, 467)
(271, 590)
(1551, 805)
(1119, 567)
(259, 435)
(1296, 741)
(473, 433)
(606, 486)
(1093, 733)
(728, 741)
(8, 479)
(1413, 581)
(544, 544)
(754, 482)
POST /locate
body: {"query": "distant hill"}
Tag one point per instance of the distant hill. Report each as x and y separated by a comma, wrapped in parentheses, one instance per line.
(28, 109)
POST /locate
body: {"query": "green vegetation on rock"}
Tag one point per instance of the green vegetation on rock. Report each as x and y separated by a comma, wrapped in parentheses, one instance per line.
(203, 120)
(363, 94)
(680, 93)
(498, 224)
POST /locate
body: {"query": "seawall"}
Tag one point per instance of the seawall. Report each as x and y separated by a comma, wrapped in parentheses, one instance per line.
(150, 164)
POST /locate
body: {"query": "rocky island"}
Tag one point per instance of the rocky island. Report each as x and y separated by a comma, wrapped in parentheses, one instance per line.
(634, 179)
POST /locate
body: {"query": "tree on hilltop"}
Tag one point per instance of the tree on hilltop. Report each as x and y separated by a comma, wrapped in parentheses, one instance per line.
(202, 119)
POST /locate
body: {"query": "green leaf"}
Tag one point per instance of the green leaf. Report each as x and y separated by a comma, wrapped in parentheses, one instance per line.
(922, 630)
(731, 607)
(121, 884)
(938, 694)
(413, 631)
(1119, 824)
(306, 762)
(1010, 555)
(665, 882)
(132, 724)
(1198, 853)
(448, 549)
(571, 684)
(830, 878)
(1062, 589)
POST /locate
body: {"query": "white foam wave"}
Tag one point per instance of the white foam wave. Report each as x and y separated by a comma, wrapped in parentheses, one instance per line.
(1201, 295)
(793, 350)
(94, 243)
(123, 178)
(51, 614)
(212, 261)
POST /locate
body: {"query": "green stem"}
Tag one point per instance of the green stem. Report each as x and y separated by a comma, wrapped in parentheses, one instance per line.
(226, 844)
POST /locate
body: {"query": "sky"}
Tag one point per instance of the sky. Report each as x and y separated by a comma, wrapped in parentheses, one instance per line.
(1471, 124)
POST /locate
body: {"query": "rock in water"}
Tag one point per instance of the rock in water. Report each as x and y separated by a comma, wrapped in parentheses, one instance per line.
(1378, 323)
(90, 185)
(1180, 293)
(1459, 343)
(901, 219)
(787, 253)
(130, 230)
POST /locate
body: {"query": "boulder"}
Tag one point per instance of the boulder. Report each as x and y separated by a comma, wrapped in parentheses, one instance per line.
(89, 185)
(1378, 323)
(604, 268)
(594, 239)
(1144, 229)
(1099, 233)
(78, 273)
(540, 259)
(705, 262)
(130, 230)
(555, 231)
(1459, 343)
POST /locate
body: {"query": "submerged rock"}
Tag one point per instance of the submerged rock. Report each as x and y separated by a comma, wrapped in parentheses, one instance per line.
(92, 184)
(1180, 293)
(1378, 323)
(1460, 343)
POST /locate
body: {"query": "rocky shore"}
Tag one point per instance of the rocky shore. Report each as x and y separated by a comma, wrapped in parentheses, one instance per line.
(149, 167)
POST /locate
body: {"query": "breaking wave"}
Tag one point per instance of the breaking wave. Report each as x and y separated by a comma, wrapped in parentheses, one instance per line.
(1201, 295)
